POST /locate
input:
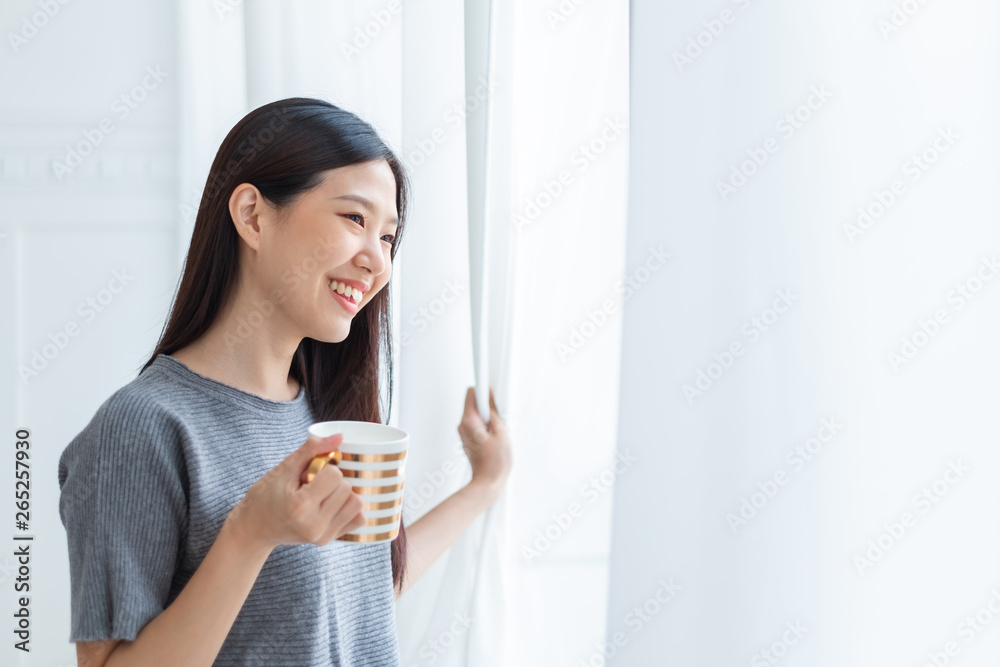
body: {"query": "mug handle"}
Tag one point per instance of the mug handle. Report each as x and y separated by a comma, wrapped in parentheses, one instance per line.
(319, 461)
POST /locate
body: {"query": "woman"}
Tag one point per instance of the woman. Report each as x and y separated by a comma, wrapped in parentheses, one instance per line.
(193, 538)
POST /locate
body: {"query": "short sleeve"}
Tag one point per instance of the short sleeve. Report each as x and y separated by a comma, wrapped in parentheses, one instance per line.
(123, 502)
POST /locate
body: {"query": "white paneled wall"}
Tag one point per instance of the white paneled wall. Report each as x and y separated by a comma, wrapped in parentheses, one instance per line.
(89, 252)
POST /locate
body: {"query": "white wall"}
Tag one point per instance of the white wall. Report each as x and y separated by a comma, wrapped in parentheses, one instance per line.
(62, 241)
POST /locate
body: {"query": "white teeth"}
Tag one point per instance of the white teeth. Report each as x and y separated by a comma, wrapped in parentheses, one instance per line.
(341, 288)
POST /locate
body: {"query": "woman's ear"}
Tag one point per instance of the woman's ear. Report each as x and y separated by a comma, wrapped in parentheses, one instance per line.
(245, 207)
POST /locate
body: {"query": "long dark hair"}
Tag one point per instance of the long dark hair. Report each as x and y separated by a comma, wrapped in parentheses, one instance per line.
(282, 148)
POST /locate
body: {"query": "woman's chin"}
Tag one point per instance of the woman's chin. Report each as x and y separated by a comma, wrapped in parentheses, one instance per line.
(335, 333)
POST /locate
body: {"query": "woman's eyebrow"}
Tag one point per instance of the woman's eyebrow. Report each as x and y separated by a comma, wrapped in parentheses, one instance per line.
(366, 203)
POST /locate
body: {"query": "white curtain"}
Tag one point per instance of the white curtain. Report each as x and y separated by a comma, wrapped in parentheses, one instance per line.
(826, 491)
(456, 615)
(475, 585)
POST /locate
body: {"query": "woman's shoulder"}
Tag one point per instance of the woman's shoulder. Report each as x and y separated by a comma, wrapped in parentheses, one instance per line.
(135, 421)
(140, 405)
(134, 437)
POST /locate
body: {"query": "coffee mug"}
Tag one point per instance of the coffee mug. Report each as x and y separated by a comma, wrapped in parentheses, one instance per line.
(372, 457)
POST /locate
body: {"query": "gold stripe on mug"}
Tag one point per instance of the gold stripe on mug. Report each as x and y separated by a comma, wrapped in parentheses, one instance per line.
(382, 520)
(373, 458)
(384, 505)
(373, 474)
(370, 490)
(369, 537)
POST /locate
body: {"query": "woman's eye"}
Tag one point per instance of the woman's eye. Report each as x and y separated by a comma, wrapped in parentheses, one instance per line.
(392, 238)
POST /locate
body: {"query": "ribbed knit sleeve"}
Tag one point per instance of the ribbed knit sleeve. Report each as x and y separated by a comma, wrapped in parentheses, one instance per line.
(123, 502)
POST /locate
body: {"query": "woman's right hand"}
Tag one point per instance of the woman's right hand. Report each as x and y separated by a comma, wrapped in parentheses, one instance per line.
(280, 508)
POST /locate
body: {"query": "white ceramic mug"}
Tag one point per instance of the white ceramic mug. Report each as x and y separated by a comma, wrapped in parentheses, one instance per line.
(373, 458)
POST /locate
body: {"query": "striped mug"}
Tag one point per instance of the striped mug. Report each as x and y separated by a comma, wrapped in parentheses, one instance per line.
(372, 457)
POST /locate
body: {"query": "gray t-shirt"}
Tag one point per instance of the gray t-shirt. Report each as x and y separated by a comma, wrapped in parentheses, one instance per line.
(144, 490)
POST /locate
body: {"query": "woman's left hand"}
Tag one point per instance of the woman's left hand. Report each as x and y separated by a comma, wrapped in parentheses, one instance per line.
(486, 445)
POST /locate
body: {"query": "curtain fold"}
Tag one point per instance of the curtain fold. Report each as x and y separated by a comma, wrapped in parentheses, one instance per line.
(468, 582)
(491, 279)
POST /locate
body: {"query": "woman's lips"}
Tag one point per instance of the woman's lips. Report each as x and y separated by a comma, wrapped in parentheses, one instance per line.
(345, 301)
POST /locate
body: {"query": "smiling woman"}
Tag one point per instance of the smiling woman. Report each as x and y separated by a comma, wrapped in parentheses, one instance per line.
(219, 553)
(341, 230)
(202, 541)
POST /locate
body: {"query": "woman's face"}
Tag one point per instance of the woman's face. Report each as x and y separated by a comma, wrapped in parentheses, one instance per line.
(341, 231)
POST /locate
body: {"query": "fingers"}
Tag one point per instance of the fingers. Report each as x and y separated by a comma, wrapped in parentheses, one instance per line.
(480, 429)
(496, 420)
(325, 481)
(470, 401)
(341, 515)
(338, 494)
